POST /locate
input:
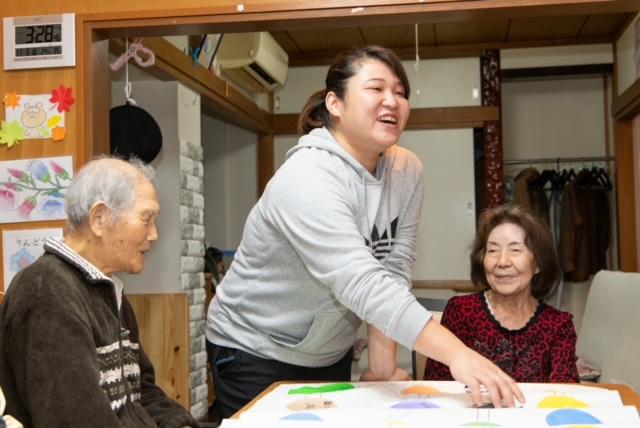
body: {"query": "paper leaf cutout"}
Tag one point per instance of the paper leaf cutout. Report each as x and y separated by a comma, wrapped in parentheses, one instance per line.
(11, 99)
(62, 96)
(44, 132)
(11, 133)
(54, 121)
(58, 133)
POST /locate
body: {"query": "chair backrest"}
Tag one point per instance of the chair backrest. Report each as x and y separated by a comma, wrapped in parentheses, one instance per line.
(609, 336)
(436, 307)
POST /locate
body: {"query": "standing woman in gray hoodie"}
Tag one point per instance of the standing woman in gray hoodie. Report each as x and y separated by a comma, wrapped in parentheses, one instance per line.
(331, 242)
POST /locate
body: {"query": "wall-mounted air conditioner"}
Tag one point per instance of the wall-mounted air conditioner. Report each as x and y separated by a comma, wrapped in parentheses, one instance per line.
(254, 61)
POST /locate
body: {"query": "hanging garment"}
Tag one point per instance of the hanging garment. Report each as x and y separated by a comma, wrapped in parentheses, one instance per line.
(585, 225)
(521, 187)
(530, 195)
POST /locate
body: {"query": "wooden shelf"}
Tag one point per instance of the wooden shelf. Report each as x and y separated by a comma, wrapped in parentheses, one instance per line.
(217, 95)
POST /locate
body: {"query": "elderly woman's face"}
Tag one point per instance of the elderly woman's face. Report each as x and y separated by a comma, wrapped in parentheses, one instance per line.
(509, 265)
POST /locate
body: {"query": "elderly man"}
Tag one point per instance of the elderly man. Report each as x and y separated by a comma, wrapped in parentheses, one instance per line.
(70, 355)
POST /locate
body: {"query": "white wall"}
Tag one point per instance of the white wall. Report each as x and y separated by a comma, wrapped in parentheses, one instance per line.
(554, 56)
(447, 225)
(440, 82)
(444, 82)
(230, 181)
(162, 264)
(625, 49)
(553, 118)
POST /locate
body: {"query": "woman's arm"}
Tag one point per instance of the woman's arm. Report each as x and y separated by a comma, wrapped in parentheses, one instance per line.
(435, 370)
(382, 358)
(468, 366)
(563, 355)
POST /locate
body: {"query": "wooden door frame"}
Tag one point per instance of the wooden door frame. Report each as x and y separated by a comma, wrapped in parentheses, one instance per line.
(625, 108)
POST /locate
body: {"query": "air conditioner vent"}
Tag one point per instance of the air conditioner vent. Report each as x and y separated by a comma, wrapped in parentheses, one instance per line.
(254, 61)
(262, 73)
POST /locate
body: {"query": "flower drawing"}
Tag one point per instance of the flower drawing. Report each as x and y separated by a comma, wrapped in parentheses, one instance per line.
(26, 207)
(39, 171)
(53, 208)
(7, 198)
(20, 175)
(21, 259)
(37, 187)
(59, 171)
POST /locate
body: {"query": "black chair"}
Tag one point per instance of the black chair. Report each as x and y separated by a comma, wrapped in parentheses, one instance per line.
(433, 305)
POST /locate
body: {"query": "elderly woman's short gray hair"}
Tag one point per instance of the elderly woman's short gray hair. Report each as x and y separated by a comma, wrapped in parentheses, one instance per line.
(103, 180)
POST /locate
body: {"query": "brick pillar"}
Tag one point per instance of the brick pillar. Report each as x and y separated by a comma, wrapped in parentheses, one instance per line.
(192, 268)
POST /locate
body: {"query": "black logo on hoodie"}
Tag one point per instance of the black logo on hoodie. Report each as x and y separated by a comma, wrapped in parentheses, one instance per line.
(381, 245)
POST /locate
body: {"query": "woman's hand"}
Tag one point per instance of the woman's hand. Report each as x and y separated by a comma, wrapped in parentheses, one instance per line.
(474, 370)
(468, 367)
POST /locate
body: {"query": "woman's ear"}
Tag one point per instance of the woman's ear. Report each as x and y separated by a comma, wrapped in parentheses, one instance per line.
(99, 218)
(333, 104)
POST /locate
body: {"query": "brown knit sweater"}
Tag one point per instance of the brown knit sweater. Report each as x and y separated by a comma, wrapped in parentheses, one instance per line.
(70, 358)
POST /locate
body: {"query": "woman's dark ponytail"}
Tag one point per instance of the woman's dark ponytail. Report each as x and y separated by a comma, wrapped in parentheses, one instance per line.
(314, 114)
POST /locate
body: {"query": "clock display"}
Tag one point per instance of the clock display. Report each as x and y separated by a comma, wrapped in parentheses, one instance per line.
(29, 34)
(41, 50)
(38, 41)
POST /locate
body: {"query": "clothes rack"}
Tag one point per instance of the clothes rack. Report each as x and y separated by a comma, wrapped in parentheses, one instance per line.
(561, 160)
(557, 162)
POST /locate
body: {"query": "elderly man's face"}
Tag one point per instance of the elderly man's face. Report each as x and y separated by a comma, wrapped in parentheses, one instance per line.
(131, 236)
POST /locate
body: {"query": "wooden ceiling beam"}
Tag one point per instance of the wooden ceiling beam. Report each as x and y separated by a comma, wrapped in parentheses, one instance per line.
(420, 118)
(312, 58)
(319, 14)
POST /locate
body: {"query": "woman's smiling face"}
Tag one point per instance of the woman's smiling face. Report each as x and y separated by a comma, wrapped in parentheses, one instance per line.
(508, 263)
(374, 111)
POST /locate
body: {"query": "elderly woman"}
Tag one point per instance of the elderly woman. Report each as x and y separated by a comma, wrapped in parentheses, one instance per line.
(513, 258)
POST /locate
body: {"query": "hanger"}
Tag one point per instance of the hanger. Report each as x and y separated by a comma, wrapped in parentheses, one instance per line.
(604, 179)
(546, 176)
(134, 51)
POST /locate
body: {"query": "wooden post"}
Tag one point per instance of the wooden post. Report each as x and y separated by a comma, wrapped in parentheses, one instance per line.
(493, 165)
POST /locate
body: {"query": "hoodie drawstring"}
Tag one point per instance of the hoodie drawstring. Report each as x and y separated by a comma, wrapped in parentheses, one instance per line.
(387, 190)
(387, 195)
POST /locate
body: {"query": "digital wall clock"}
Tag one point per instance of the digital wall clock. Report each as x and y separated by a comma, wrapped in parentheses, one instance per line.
(39, 41)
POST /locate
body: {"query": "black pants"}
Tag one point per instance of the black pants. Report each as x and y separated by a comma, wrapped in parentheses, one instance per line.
(239, 377)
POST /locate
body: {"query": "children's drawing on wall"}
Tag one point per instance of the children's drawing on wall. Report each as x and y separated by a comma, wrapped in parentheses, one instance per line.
(20, 248)
(35, 116)
(34, 189)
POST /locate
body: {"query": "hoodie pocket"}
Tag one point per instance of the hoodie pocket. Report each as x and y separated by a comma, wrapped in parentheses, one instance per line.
(325, 328)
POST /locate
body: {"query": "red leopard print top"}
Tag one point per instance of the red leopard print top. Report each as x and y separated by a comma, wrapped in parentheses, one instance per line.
(544, 350)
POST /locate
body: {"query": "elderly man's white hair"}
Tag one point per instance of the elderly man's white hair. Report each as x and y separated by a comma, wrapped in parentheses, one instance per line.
(108, 180)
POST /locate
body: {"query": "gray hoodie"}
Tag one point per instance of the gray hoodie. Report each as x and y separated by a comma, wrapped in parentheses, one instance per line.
(316, 257)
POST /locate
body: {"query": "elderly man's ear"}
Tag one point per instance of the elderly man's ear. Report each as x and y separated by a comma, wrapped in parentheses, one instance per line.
(99, 218)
